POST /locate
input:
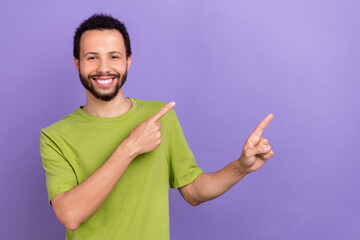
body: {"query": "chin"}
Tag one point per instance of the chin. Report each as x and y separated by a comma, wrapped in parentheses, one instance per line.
(106, 97)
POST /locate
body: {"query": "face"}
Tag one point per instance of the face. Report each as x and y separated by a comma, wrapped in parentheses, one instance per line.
(102, 63)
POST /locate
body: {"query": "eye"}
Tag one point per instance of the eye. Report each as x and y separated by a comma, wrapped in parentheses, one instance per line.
(114, 57)
(91, 58)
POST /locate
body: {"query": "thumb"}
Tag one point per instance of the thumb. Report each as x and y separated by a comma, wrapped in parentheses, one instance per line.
(259, 149)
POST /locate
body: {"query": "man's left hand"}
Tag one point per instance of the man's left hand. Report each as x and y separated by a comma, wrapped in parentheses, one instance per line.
(256, 149)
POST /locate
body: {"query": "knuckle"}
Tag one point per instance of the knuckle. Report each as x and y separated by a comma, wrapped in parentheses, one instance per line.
(247, 154)
(265, 148)
(262, 141)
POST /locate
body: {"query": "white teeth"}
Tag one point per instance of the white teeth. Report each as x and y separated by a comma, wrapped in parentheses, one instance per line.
(104, 81)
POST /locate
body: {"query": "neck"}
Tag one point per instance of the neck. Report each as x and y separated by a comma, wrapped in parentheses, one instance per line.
(116, 107)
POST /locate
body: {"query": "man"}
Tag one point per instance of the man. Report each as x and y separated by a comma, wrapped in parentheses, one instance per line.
(109, 163)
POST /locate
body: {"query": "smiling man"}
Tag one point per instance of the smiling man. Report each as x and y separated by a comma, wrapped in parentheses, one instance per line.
(110, 162)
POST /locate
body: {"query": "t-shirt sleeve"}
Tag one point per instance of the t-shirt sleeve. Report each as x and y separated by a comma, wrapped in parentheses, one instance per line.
(60, 176)
(183, 168)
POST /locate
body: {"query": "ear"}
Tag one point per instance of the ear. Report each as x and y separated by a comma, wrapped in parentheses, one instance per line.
(77, 62)
(128, 61)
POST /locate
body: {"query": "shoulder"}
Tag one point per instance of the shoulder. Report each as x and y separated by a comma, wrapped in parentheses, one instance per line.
(150, 107)
(56, 128)
(149, 104)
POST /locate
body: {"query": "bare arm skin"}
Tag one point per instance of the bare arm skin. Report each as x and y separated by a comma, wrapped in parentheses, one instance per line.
(75, 206)
(208, 186)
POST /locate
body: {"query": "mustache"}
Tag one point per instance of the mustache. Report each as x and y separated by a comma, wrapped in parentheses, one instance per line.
(104, 75)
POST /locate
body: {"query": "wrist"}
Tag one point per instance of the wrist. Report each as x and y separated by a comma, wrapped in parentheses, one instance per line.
(126, 150)
(241, 170)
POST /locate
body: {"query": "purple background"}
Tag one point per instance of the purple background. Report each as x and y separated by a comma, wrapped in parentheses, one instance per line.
(227, 64)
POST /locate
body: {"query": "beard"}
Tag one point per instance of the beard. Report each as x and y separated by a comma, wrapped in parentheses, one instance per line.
(93, 89)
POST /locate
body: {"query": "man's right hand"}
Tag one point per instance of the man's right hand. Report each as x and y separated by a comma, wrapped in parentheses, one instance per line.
(77, 205)
(146, 136)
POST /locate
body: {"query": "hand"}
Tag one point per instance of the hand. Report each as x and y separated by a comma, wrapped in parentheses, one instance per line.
(146, 136)
(256, 149)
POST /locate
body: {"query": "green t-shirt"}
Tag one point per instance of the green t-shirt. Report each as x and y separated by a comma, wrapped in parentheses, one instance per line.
(138, 206)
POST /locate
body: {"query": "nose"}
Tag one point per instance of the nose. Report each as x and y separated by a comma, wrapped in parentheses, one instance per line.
(103, 66)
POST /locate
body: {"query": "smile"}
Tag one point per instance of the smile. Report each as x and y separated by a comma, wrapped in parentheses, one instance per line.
(104, 81)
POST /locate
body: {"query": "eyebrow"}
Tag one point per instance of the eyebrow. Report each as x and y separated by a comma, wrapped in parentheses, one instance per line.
(108, 53)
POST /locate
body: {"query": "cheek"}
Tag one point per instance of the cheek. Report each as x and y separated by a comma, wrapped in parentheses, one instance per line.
(85, 69)
(120, 68)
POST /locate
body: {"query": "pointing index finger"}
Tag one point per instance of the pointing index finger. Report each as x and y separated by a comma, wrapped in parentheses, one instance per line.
(260, 128)
(159, 114)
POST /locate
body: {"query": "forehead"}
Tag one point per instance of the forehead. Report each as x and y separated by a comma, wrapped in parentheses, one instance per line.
(102, 40)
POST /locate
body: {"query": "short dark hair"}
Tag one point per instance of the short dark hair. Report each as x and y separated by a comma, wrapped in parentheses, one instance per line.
(101, 22)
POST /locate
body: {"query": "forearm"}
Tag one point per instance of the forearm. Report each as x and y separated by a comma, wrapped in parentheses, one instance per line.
(208, 186)
(77, 205)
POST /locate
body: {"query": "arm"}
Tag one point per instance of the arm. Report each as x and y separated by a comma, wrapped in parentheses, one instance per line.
(208, 186)
(75, 206)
